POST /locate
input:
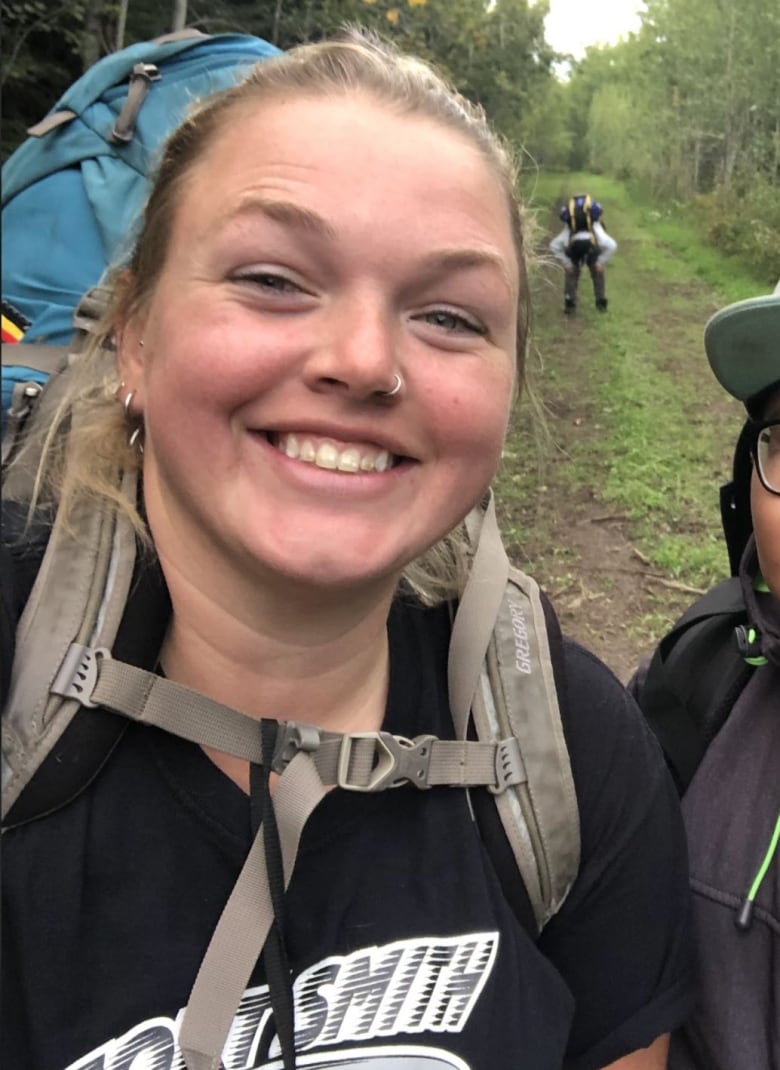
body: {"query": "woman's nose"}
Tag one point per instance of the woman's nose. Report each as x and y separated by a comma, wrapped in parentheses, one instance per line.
(359, 352)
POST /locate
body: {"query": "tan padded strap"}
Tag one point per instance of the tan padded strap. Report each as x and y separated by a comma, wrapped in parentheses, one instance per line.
(474, 620)
(78, 596)
(242, 929)
(525, 706)
(42, 358)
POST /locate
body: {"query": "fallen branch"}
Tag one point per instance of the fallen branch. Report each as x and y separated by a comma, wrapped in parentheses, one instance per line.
(673, 584)
(641, 575)
(606, 518)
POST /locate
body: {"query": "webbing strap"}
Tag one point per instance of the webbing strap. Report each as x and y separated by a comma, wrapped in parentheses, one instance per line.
(51, 122)
(475, 618)
(358, 761)
(242, 929)
(586, 208)
(142, 76)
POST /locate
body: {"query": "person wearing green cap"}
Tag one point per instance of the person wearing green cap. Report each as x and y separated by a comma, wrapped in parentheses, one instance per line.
(731, 800)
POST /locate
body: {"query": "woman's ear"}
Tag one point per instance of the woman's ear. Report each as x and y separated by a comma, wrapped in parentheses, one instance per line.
(130, 361)
(131, 353)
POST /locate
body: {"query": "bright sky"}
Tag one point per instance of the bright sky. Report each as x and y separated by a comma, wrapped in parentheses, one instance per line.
(572, 25)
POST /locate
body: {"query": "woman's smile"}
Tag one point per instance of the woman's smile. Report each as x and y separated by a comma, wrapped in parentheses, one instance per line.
(325, 453)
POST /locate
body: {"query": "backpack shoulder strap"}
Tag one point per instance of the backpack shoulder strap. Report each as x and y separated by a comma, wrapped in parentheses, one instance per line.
(501, 676)
(695, 677)
(490, 827)
(78, 596)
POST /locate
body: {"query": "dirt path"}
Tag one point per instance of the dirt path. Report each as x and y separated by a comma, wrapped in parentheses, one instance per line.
(580, 549)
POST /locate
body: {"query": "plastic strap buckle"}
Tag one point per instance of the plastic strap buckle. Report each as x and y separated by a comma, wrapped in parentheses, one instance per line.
(78, 673)
(510, 767)
(397, 761)
(291, 738)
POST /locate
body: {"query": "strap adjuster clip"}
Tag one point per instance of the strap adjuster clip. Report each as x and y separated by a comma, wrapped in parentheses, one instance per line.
(291, 738)
(396, 761)
(78, 674)
(510, 767)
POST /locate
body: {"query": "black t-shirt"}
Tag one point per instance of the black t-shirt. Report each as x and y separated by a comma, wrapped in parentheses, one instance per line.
(404, 950)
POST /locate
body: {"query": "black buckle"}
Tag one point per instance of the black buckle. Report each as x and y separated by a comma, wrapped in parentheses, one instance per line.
(397, 761)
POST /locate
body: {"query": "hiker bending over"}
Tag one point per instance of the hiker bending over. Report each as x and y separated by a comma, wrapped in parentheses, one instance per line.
(729, 644)
(310, 361)
(583, 240)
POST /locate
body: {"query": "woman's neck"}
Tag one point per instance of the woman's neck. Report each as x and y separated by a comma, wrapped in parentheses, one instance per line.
(319, 657)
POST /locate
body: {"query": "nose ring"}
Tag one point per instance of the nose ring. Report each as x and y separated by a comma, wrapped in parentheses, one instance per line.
(397, 384)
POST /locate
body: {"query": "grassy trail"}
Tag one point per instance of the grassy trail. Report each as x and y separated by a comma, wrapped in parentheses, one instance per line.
(609, 488)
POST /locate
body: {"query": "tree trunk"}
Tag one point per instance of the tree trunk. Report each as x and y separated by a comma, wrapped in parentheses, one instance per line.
(121, 23)
(277, 17)
(179, 15)
(90, 38)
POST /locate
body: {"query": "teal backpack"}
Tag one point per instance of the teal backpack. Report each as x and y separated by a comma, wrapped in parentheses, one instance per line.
(94, 153)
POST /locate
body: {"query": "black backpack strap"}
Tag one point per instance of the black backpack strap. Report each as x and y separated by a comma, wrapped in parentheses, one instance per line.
(735, 515)
(695, 677)
(483, 803)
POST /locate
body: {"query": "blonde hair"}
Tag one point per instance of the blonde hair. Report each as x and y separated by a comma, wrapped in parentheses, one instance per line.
(84, 463)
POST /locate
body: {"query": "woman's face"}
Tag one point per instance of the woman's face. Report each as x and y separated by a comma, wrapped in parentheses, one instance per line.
(320, 249)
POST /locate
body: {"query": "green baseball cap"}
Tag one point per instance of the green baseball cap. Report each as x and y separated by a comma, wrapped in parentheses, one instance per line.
(743, 345)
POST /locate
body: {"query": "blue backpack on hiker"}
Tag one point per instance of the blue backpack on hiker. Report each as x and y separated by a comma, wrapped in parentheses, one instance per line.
(74, 189)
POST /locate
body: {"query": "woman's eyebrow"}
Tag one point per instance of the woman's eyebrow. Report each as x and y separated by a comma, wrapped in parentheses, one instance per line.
(439, 262)
(280, 211)
(447, 261)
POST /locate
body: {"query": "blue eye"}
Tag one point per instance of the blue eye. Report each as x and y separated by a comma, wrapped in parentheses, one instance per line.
(267, 280)
(453, 322)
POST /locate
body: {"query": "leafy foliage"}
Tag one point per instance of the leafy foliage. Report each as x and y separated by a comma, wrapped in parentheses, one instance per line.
(686, 110)
(495, 52)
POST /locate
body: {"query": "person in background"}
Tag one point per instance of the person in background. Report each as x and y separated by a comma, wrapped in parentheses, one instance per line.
(583, 240)
(731, 802)
(313, 354)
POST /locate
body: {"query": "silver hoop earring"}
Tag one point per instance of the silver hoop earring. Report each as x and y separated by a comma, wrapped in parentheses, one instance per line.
(136, 439)
(128, 401)
(397, 384)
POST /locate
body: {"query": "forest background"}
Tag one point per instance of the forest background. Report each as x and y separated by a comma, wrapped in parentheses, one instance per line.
(686, 110)
(609, 489)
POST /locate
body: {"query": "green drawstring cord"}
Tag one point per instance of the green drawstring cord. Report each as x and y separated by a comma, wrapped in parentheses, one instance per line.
(756, 660)
(745, 916)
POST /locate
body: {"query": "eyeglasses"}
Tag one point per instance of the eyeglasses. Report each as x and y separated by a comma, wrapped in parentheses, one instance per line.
(765, 451)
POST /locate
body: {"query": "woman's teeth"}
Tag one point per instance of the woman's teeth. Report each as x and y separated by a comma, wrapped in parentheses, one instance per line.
(327, 455)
